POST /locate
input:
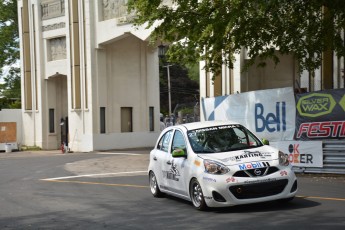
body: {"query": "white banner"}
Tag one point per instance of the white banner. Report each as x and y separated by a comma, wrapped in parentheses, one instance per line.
(270, 114)
(302, 153)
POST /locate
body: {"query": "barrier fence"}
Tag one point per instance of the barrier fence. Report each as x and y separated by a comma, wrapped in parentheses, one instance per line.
(333, 159)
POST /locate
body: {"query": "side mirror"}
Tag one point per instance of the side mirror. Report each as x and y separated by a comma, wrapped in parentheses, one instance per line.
(179, 153)
(265, 141)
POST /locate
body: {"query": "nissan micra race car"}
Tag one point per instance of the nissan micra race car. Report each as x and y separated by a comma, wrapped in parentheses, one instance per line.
(217, 164)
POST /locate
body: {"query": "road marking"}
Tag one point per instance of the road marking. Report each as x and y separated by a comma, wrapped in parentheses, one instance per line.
(97, 183)
(322, 198)
(92, 175)
(127, 154)
(63, 180)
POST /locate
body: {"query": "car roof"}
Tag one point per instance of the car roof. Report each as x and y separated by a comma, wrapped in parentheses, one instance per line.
(205, 124)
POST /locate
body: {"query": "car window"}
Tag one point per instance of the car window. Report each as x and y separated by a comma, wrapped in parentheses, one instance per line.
(163, 144)
(222, 139)
(178, 141)
(245, 137)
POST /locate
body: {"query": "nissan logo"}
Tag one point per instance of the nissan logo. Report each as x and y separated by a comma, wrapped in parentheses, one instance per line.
(257, 172)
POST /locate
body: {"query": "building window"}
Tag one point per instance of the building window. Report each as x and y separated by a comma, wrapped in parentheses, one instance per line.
(51, 121)
(151, 119)
(126, 119)
(102, 119)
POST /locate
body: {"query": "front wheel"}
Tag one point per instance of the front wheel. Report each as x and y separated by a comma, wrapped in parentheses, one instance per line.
(197, 195)
(154, 185)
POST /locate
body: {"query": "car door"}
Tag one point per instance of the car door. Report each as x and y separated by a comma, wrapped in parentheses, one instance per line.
(160, 158)
(176, 173)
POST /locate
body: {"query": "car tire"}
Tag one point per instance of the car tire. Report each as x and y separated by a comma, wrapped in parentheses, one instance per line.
(154, 187)
(197, 195)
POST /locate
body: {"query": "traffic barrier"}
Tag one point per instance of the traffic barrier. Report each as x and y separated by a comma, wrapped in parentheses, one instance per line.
(333, 158)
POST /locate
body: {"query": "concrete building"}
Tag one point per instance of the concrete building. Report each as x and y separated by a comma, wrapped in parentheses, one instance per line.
(89, 78)
(285, 74)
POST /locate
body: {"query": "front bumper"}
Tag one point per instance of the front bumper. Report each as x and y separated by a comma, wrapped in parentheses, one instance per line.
(225, 190)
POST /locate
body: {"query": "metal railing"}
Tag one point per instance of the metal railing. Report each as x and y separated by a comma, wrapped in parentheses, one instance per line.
(333, 158)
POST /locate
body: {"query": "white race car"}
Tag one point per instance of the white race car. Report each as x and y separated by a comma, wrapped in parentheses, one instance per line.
(217, 164)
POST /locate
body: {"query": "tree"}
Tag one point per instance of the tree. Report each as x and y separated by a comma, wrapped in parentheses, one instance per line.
(193, 71)
(9, 37)
(215, 30)
(10, 90)
(9, 55)
(184, 90)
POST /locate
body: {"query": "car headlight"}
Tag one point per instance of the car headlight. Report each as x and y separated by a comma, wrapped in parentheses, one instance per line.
(214, 167)
(283, 159)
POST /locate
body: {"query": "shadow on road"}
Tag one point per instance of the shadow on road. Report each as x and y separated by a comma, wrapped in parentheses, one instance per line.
(272, 206)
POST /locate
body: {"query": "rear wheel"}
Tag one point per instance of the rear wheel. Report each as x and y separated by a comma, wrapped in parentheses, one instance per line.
(154, 185)
(197, 195)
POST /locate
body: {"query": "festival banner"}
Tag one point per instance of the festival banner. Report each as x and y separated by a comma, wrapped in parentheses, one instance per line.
(270, 114)
(320, 115)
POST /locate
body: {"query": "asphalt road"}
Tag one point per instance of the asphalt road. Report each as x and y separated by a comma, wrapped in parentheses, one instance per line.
(109, 190)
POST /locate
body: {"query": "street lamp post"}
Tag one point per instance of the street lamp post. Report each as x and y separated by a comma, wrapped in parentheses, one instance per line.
(161, 53)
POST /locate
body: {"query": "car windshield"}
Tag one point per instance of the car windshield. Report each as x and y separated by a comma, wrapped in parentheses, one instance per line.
(222, 139)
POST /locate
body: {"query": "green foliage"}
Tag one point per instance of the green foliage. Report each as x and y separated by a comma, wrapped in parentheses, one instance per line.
(186, 110)
(10, 90)
(30, 148)
(183, 88)
(212, 29)
(193, 71)
(9, 55)
(9, 39)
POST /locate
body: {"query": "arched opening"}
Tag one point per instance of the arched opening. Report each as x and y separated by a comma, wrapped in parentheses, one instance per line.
(57, 104)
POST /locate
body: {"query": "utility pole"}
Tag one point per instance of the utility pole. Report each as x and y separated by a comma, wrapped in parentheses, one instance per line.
(169, 86)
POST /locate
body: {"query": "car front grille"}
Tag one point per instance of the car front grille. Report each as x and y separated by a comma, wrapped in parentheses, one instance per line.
(256, 172)
(257, 190)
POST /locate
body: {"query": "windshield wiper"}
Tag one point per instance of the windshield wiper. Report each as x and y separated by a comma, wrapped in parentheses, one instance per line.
(205, 151)
(239, 148)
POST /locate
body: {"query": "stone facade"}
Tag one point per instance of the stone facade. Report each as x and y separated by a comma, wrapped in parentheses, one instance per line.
(89, 79)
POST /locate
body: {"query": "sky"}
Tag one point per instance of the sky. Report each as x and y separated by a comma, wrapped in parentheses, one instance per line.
(5, 71)
(6, 68)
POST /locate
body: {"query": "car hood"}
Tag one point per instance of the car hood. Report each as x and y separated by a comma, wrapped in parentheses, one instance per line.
(263, 153)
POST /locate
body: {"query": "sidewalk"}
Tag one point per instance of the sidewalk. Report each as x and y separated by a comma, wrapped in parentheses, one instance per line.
(59, 152)
(29, 153)
(103, 162)
(117, 163)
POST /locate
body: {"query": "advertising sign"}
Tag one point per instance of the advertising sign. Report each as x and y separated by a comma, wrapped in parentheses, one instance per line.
(302, 153)
(270, 114)
(320, 115)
